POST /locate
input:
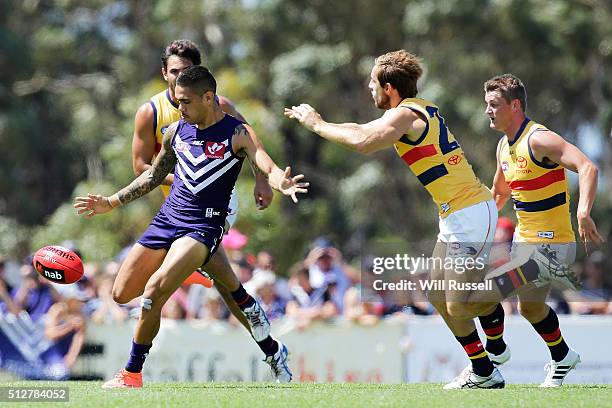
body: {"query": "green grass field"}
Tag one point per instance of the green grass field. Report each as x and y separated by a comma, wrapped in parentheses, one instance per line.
(89, 394)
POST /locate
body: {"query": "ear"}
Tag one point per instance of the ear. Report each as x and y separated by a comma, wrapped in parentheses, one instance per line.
(208, 96)
(164, 73)
(388, 88)
(515, 105)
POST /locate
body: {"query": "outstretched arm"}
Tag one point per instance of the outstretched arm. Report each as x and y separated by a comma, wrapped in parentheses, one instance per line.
(245, 141)
(152, 177)
(552, 146)
(364, 138)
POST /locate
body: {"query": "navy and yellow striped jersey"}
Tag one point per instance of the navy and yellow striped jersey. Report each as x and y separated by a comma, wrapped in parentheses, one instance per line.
(439, 163)
(539, 190)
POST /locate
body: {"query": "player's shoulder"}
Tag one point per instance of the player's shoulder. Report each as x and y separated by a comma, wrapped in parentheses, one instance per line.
(418, 103)
(417, 107)
(542, 136)
(230, 122)
(145, 111)
(224, 101)
(159, 101)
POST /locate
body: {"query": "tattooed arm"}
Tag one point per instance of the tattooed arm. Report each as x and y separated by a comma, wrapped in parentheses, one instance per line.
(149, 179)
(246, 143)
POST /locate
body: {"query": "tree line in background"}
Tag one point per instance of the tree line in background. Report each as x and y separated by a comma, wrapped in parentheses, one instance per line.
(75, 71)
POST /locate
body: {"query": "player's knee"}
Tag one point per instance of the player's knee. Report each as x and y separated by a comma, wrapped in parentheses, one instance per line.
(533, 311)
(121, 296)
(157, 292)
(459, 310)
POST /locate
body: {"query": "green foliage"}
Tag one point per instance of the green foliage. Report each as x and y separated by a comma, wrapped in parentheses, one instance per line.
(74, 73)
(13, 238)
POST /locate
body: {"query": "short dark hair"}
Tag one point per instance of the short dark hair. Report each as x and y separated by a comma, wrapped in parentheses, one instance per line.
(401, 70)
(510, 87)
(183, 49)
(197, 78)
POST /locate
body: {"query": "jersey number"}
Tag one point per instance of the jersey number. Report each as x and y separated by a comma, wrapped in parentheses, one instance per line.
(445, 146)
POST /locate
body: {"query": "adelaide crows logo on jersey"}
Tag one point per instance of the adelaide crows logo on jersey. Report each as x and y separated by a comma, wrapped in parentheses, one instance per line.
(214, 150)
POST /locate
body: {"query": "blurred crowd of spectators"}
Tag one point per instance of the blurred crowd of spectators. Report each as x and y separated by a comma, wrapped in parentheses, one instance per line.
(320, 287)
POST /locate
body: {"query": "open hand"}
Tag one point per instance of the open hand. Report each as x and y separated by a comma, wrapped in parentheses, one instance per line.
(290, 186)
(305, 114)
(92, 205)
(588, 232)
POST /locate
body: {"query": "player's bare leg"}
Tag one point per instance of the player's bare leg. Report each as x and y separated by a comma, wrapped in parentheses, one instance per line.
(221, 271)
(250, 310)
(532, 306)
(183, 257)
(232, 306)
(139, 265)
(480, 373)
(226, 281)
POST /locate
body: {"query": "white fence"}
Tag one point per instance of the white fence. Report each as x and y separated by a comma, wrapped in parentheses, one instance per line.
(416, 350)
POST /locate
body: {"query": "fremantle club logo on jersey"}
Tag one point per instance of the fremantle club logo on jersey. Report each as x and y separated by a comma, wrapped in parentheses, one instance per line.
(214, 150)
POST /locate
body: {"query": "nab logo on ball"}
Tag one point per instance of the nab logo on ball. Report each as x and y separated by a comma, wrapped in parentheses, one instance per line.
(214, 150)
(58, 264)
(55, 275)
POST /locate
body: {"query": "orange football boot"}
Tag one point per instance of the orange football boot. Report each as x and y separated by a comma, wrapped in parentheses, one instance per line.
(200, 279)
(124, 379)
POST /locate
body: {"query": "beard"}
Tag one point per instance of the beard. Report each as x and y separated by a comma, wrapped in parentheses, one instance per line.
(383, 103)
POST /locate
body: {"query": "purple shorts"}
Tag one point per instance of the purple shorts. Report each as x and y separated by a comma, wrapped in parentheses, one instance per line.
(162, 233)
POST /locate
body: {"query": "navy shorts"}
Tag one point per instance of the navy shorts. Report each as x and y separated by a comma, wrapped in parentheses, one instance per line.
(162, 233)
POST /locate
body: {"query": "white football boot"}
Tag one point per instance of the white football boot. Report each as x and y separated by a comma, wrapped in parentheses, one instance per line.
(278, 364)
(557, 370)
(467, 379)
(260, 325)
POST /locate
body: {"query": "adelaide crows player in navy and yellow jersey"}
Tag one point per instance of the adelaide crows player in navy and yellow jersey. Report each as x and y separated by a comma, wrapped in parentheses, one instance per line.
(531, 170)
(467, 213)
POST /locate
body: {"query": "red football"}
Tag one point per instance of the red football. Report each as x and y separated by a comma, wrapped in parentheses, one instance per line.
(58, 264)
